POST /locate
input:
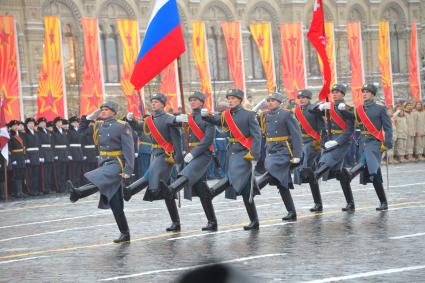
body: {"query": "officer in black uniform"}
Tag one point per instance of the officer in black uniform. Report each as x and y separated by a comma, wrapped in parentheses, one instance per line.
(16, 159)
(62, 155)
(32, 157)
(46, 156)
(76, 152)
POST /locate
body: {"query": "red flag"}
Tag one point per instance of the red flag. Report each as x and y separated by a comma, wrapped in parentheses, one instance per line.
(317, 37)
(4, 134)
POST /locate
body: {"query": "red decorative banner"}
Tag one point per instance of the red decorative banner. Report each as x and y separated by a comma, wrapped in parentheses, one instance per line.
(200, 55)
(9, 72)
(293, 64)
(169, 86)
(92, 83)
(129, 32)
(384, 58)
(262, 34)
(330, 51)
(354, 36)
(414, 73)
(233, 38)
(51, 90)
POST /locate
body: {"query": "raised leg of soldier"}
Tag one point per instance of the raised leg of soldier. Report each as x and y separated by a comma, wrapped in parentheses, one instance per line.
(135, 187)
(263, 180)
(220, 187)
(205, 197)
(117, 207)
(345, 179)
(81, 192)
(252, 212)
(323, 168)
(380, 192)
(286, 196)
(176, 186)
(174, 215)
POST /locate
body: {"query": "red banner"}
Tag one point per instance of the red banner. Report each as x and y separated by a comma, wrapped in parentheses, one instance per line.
(9, 72)
(169, 86)
(200, 55)
(293, 63)
(354, 36)
(232, 36)
(51, 88)
(92, 82)
(330, 51)
(262, 34)
(129, 34)
(384, 58)
(414, 73)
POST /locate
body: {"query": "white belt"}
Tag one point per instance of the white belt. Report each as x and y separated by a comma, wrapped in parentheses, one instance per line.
(75, 145)
(32, 149)
(90, 146)
(220, 139)
(60, 146)
(46, 145)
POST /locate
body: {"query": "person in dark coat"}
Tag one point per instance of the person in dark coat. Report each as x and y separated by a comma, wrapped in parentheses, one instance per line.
(166, 153)
(313, 131)
(376, 138)
(116, 164)
(244, 151)
(200, 149)
(90, 152)
(16, 160)
(32, 157)
(75, 164)
(46, 156)
(145, 149)
(62, 154)
(283, 150)
(340, 139)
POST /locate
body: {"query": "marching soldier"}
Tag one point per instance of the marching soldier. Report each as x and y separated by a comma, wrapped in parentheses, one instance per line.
(75, 164)
(166, 152)
(283, 150)
(46, 155)
(90, 152)
(145, 142)
(243, 153)
(32, 155)
(313, 132)
(376, 138)
(116, 161)
(339, 143)
(62, 155)
(193, 176)
(17, 159)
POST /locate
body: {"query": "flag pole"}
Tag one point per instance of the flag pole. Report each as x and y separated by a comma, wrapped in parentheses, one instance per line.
(5, 188)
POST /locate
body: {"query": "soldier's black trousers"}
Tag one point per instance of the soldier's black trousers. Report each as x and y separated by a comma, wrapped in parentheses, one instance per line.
(75, 170)
(47, 177)
(60, 176)
(33, 179)
(117, 207)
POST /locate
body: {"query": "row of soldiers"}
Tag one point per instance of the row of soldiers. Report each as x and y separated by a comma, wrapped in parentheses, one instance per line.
(311, 143)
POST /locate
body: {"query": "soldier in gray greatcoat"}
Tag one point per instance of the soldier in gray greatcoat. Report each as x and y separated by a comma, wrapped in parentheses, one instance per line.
(313, 133)
(116, 162)
(165, 154)
(339, 143)
(243, 153)
(283, 150)
(372, 145)
(193, 177)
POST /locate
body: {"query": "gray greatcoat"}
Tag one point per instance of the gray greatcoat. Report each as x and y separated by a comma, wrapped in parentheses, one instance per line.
(311, 151)
(370, 147)
(238, 168)
(196, 169)
(334, 157)
(159, 169)
(279, 123)
(113, 135)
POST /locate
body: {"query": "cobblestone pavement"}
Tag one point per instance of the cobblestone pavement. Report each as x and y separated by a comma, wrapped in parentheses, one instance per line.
(50, 239)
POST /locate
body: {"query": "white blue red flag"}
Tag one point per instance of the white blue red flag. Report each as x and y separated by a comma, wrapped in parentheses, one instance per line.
(162, 44)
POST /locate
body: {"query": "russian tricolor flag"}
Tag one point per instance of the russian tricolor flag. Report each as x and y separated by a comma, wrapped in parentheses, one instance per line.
(162, 44)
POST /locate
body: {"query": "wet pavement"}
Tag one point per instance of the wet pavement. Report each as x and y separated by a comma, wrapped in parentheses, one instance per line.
(50, 240)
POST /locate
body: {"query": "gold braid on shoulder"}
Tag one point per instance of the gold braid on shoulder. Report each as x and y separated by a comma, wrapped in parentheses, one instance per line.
(146, 130)
(263, 124)
(223, 122)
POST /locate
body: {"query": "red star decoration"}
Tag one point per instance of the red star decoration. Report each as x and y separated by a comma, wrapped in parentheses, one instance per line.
(4, 37)
(52, 37)
(90, 39)
(292, 41)
(49, 99)
(231, 40)
(129, 39)
(198, 40)
(354, 38)
(261, 41)
(44, 76)
(8, 100)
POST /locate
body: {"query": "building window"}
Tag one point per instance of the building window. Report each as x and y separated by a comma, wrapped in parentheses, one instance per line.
(395, 47)
(256, 65)
(111, 57)
(69, 55)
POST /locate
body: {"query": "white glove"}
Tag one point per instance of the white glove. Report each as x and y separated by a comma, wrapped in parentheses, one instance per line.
(14, 163)
(125, 176)
(56, 157)
(130, 116)
(69, 157)
(27, 161)
(94, 115)
(324, 106)
(330, 144)
(41, 159)
(136, 155)
(84, 157)
(341, 106)
(295, 160)
(182, 118)
(204, 112)
(254, 163)
(188, 157)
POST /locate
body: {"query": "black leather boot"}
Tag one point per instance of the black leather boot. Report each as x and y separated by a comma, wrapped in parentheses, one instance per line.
(19, 190)
(379, 188)
(174, 215)
(353, 172)
(135, 188)
(252, 214)
(123, 227)
(81, 192)
(219, 187)
(263, 181)
(170, 191)
(210, 214)
(320, 171)
(346, 188)
(315, 192)
(285, 194)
